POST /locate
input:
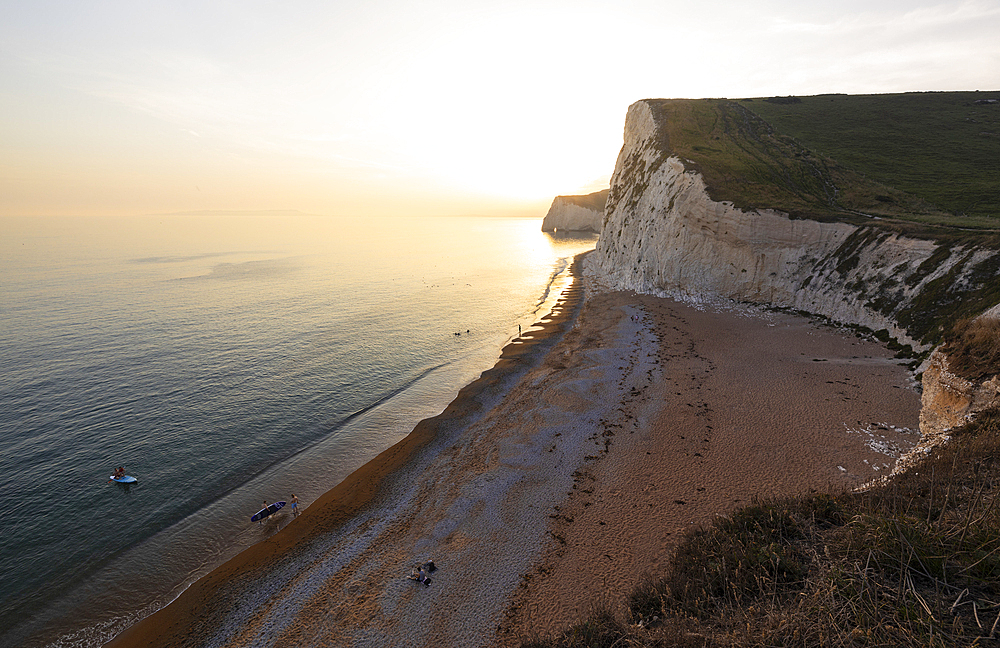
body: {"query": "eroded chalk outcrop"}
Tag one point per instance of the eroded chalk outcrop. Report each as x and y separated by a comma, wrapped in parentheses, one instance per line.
(949, 400)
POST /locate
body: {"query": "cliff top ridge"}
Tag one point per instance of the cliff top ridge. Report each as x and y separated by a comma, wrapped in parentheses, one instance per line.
(830, 158)
(593, 201)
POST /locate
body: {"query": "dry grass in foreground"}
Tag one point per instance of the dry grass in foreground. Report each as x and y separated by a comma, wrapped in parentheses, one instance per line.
(915, 562)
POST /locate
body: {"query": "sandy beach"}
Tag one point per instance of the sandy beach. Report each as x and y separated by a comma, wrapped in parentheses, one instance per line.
(560, 478)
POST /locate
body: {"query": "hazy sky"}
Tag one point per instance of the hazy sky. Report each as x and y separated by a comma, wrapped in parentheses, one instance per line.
(436, 107)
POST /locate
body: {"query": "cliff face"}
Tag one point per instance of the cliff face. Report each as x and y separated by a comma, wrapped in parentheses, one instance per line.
(662, 233)
(576, 213)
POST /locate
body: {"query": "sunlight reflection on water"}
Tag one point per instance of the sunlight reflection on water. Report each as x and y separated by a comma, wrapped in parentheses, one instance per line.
(223, 360)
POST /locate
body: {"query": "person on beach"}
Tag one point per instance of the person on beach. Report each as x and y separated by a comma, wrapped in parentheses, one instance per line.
(295, 505)
(420, 573)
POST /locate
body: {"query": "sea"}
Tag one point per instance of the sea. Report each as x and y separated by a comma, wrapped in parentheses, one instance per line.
(225, 360)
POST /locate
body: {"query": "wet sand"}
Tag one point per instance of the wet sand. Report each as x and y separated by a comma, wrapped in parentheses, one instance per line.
(553, 483)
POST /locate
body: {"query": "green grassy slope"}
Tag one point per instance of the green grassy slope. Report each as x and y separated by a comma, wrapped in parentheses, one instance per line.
(941, 146)
(759, 163)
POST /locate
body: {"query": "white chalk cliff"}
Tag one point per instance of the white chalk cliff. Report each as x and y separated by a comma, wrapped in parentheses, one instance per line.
(576, 213)
(663, 234)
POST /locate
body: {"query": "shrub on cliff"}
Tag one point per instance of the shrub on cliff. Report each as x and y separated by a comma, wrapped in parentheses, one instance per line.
(973, 348)
(755, 552)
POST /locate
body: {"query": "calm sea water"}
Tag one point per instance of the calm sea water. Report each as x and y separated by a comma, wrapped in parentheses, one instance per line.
(223, 360)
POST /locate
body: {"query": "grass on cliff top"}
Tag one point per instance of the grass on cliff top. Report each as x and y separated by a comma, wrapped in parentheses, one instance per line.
(914, 562)
(748, 161)
(941, 146)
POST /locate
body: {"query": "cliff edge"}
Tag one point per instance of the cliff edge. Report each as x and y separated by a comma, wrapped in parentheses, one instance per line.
(783, 227)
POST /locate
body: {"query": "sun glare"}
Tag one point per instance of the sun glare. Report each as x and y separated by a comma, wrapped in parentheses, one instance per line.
(351, 107)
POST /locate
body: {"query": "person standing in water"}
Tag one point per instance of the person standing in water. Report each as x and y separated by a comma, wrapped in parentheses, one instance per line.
(295, 505)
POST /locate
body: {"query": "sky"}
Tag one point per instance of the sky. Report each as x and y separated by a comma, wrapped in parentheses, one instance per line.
(438, 107)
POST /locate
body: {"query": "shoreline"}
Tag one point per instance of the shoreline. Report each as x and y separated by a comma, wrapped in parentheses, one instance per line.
(557, 479)
(170, 625)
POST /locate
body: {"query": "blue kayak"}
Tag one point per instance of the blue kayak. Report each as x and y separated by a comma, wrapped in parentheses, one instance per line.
(264, 512)
(127, 479)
